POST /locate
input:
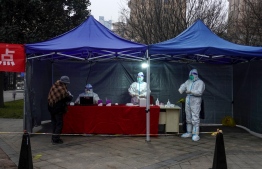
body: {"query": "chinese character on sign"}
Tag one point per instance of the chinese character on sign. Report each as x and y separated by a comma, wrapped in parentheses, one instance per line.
(12, 57)
(7, 58)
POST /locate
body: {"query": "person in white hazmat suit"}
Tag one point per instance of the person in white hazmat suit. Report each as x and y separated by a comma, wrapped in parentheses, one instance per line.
(88, 92)
(138, 89)
(194, 87)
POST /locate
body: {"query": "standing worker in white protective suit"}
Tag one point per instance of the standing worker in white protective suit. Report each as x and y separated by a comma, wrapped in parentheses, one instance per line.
(194, 87)
(138, 89)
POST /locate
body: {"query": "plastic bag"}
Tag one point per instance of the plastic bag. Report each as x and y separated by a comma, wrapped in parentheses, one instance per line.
(228, 121)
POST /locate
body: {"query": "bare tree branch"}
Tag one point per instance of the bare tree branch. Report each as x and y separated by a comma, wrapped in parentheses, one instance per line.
(247, 23)
(153, 21)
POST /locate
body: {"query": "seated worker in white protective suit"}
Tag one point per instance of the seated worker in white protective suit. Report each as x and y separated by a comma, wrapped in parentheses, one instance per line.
(138, 89)
(88, 92)
(194, 87)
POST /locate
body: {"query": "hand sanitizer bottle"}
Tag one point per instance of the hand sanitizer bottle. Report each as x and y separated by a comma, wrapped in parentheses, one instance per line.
(157, 102)
(168, 103)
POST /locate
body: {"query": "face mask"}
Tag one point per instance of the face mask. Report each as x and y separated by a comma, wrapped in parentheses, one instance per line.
(191, 77)
(139, 79)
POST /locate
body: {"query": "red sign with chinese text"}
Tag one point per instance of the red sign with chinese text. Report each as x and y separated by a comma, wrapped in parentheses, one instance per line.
(12, 57)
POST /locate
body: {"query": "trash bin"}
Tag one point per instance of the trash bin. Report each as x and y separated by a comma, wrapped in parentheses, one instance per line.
(183, 112)
(161, 129)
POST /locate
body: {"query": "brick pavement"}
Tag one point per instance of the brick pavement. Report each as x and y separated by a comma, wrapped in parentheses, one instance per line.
(5, 161)
(243, 150)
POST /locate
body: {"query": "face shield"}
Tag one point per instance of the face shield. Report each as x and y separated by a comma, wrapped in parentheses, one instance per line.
(193, 75)
(88, 89)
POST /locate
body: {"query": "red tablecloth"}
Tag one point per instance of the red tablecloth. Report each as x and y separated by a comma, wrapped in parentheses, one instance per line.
(109, 120)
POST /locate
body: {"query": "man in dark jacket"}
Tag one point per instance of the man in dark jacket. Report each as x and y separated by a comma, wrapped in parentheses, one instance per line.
(58, 98)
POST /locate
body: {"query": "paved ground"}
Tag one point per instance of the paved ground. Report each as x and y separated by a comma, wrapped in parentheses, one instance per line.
(8, 95)
(243, 150)
(5, 161)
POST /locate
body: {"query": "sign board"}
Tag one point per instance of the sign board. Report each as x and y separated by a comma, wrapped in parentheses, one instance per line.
(12, 57)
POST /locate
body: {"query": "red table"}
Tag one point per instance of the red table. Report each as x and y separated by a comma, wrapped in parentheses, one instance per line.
(119, 119)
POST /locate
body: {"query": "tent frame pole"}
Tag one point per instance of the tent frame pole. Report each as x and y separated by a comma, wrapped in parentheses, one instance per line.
(148, 98)
(25, 98)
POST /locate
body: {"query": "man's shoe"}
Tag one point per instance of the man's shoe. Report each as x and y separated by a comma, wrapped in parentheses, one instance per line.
(59, 141)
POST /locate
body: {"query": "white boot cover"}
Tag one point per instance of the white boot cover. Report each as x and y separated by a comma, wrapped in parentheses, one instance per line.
(186, 135)
(195, 136)
(189, 131)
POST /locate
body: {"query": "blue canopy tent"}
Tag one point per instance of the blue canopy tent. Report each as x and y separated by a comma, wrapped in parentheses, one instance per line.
(230, 73)
(90, 42)
(198, 43)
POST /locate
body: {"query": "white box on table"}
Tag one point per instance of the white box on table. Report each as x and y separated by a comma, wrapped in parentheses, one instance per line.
(142, 102)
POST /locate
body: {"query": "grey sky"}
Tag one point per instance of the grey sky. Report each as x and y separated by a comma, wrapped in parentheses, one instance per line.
(108, 8)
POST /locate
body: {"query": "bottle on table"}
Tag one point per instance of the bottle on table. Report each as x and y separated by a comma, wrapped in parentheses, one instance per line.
(157, 102)
(168, 103)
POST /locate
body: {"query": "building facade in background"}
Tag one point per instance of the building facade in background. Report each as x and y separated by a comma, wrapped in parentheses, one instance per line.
(107, 24)
(246, 26)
